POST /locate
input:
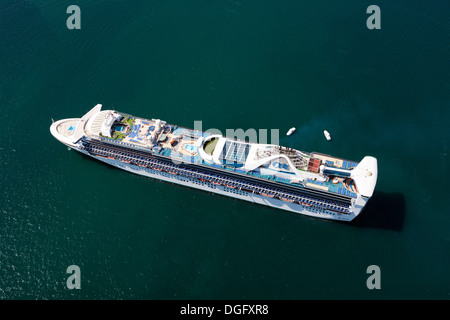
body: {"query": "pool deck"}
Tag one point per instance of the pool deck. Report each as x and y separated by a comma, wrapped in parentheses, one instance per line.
(177, 141)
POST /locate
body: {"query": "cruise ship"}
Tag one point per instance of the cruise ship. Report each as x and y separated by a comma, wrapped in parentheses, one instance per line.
(309, 183)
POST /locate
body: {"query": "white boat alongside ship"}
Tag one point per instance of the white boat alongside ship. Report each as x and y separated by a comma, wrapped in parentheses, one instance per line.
(327, 135)
(290, 131)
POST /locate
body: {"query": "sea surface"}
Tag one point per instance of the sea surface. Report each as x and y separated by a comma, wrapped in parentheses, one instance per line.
(257, 64)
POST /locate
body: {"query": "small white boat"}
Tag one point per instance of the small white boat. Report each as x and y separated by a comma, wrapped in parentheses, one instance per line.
(327, 134)
(291, 131)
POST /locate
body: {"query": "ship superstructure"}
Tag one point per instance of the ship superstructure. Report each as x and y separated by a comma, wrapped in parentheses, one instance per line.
(313, 184)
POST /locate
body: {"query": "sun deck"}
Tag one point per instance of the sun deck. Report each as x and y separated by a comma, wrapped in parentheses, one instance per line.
(183, 144)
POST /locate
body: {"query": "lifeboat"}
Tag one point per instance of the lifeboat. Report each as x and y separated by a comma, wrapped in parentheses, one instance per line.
(267, 195)
(291, 131)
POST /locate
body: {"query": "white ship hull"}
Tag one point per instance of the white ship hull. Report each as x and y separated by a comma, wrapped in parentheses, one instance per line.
(229, 192)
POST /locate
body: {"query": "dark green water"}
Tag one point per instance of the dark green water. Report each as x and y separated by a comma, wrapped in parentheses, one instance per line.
(231, 64)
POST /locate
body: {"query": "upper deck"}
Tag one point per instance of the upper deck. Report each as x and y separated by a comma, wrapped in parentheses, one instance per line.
(287, 166)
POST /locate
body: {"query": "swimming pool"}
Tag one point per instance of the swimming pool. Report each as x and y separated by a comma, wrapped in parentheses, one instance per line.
(119, 128)
(190, 148)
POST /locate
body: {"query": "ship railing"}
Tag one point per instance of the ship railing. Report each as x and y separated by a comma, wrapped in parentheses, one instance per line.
(210, 177)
